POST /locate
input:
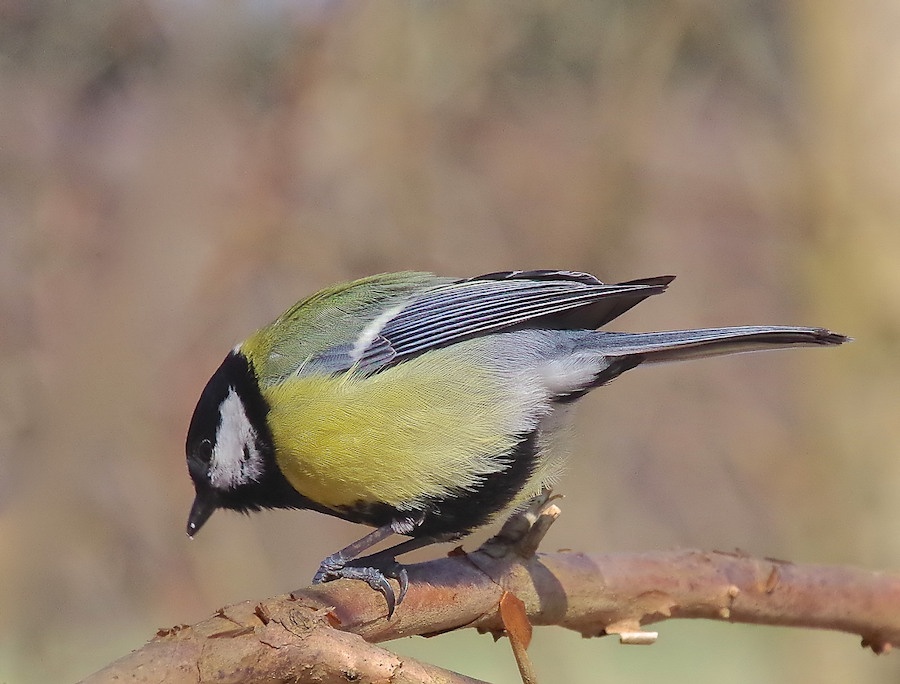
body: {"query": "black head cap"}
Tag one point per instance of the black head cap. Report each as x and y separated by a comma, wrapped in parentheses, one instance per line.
(230, 454)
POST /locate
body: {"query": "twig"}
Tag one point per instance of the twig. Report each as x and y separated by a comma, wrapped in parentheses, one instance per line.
(328, 631)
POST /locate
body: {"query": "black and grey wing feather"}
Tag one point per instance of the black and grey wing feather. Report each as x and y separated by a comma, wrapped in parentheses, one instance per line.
(502, 301)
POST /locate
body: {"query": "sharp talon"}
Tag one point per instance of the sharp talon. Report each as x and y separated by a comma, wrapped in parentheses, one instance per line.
(333, 568)
(377, 568)
(380, 583)
(403, 579)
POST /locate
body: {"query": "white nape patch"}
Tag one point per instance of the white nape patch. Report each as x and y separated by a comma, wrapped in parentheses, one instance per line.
(235, 459)
(370, 332)
(571, 373)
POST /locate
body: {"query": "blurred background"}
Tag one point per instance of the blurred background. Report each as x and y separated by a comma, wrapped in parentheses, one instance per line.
(174, 175)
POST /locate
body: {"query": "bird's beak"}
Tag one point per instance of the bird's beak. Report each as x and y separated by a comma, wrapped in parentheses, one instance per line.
(204, 506)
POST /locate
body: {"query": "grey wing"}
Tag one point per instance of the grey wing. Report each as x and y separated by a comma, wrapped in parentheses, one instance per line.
(501, 301)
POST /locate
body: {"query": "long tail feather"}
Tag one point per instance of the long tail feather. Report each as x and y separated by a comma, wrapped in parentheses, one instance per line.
(677, 345)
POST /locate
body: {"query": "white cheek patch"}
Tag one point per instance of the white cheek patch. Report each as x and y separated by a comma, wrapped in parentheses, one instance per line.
(235, 459)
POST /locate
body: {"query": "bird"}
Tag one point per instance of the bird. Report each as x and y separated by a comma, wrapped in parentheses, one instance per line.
(423, 406)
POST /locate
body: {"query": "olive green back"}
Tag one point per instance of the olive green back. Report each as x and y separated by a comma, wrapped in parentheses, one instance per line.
(331, 317)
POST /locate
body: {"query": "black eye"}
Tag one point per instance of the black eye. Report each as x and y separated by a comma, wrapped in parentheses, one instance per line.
(205, 449)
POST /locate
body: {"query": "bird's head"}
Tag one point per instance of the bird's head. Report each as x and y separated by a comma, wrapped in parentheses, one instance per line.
(230, 455)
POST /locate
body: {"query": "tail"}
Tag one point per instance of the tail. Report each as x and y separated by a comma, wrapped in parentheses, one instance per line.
(596, 357)
(678, 345)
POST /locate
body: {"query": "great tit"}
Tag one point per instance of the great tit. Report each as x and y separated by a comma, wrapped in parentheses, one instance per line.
(421, 405)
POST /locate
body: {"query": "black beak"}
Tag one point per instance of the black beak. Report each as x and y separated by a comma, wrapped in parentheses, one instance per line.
(204, 505)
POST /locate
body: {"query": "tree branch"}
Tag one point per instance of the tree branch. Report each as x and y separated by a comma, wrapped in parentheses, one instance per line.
(328, 631)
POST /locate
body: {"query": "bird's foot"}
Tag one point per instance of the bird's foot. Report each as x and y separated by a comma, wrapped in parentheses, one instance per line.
(370, 569)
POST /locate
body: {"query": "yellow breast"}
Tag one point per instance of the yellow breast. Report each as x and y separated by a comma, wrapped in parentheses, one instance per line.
(421, 429)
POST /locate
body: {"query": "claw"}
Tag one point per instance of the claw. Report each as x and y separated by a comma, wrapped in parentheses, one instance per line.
(403, 579)
(377, 568)
(330, 568)
(335, 567)
(379, 583)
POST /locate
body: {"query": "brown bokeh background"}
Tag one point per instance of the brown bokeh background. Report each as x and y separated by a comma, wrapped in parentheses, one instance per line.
(175, 174)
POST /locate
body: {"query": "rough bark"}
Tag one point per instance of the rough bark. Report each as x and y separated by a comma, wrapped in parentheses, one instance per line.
(327, 633)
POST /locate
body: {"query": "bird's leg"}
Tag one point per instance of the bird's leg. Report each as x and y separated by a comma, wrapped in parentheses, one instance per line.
(338, 559)
(375, 569)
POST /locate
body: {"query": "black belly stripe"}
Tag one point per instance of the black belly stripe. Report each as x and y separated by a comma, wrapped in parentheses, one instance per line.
(464, 510)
